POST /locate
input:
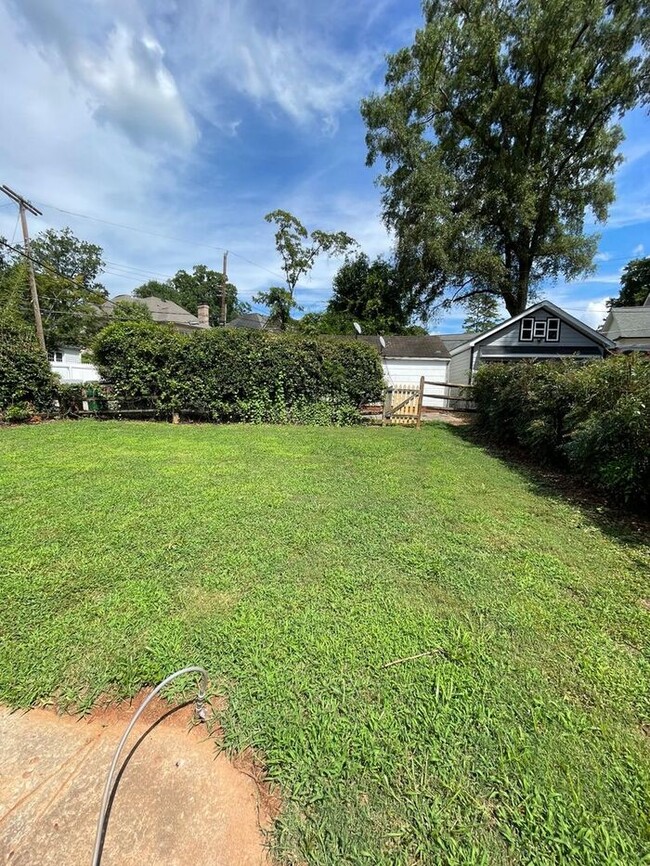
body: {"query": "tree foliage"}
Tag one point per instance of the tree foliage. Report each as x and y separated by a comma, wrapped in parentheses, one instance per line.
(498, 131)
(482, 313)
(202, 286)
(298, 250)
(635, 284)
(67, 272)
(372, 294)
(126, 310)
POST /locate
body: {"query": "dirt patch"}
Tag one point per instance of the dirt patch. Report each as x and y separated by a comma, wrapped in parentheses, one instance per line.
(644, 603)
(178, 799)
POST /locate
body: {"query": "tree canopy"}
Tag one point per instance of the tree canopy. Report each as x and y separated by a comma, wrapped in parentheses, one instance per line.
(635, 284)
(498, 132)
(371, 293)
(202, 286)
(482, 313)
(298, 250)
(67, 272)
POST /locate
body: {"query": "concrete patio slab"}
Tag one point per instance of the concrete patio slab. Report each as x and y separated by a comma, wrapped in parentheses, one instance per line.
(177, 801)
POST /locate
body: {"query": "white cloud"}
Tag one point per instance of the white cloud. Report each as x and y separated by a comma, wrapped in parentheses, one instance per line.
(278, 56)
(122, 72)
(595, 312)
(638, 250)
(602, 257)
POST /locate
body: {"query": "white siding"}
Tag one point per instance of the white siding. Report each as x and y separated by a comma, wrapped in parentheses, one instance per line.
(71, 368)
(407, 371)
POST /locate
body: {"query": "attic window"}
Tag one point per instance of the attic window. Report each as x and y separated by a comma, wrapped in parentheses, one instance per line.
(540, 330)
(57, 357)
(526, 332)
(553, 330)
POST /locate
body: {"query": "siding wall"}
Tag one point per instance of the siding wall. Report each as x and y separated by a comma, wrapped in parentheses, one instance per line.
(458, 368)
(570, 339)
(407, 371)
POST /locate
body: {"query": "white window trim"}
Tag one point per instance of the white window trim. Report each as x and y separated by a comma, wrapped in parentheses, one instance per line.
(556, 322)
(526, 323)
(52, 356)
(539, 329)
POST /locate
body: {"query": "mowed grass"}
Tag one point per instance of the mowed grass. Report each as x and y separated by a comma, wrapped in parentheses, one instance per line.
(295, 563)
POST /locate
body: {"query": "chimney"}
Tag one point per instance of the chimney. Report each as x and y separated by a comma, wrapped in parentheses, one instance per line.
(204, 316)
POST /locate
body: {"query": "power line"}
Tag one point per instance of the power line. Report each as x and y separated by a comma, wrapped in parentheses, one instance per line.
(46, 267)
(162, 236)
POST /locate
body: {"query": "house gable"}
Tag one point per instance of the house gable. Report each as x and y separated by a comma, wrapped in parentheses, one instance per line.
(543, 329)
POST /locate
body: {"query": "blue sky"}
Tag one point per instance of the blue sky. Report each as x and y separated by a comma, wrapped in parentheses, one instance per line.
(188, 120)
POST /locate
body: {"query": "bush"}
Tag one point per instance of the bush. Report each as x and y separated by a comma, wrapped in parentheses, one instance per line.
(593, 419)
(25, 375)
(238, 375)
(18, 414)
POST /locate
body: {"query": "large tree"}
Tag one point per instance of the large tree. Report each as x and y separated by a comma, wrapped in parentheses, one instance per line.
(298, 250)
(370, 292)
(635, 284)
(498, 131)
(202, 286)
(67, 272)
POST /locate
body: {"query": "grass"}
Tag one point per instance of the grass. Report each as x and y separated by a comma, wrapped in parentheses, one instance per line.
(294, 563)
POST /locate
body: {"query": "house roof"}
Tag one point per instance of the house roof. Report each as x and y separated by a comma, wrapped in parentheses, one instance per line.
(451, 341)
(549, 307)
(161, 311)
(254, 321)
(628, 322)
(416, 346)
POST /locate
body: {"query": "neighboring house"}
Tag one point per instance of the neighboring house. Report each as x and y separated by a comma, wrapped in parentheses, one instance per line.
(542, 332)
(406, 359)
(629, 327)
(167, 313)
(252, 321)
(66, 362)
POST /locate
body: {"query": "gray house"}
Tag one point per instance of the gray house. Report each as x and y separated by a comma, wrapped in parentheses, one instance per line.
(629, 327)
(542, 332)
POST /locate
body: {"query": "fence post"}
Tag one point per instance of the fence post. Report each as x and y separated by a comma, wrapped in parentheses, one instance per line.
(420, 402)
(388, 401)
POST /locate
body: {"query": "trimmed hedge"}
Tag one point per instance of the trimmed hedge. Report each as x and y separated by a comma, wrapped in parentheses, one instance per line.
(233, 375)
(26, 381)
(593, 419)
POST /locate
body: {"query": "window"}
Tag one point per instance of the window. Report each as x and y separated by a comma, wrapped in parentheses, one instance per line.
(526, 332)
(540, 330)
(553, 330)
(55, 356)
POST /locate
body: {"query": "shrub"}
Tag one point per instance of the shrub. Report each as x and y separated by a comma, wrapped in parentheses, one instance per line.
(593, 418)
(239, 375)
(25, 375)
(18, 413)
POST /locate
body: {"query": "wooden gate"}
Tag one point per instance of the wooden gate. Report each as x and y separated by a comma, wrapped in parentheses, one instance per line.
(403, 405)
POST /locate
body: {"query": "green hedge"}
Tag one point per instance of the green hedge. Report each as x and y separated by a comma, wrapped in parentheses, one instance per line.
(594, 419)
(238, 375)
(26, 381)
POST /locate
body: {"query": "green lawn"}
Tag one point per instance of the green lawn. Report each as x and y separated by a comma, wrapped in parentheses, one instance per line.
(294, 563)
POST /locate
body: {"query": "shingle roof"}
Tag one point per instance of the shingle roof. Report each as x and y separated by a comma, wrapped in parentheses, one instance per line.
(161, 311)
(417, 346)
(628, 322)
(254, 321)
(453, 340)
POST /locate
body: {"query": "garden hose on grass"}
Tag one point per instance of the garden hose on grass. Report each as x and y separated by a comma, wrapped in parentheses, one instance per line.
(199, 709)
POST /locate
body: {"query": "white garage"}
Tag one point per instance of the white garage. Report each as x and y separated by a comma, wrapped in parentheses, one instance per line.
(406, 359)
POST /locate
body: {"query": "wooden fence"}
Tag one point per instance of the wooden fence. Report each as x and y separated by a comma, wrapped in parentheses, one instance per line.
(403, 404)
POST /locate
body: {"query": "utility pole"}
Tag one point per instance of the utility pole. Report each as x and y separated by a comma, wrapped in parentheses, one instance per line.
(24, 206)
(224, 311)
